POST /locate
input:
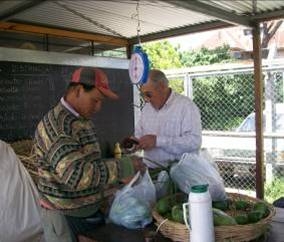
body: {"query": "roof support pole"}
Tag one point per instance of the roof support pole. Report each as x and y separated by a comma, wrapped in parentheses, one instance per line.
(46, 42)
(129, 49)
(258, 93)
(92, 48)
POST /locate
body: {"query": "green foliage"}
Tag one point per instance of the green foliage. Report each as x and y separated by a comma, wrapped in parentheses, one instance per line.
(205, 56)
(162, 55)
(177, 85)
(278, 77)
(214, 94)
(274, 189)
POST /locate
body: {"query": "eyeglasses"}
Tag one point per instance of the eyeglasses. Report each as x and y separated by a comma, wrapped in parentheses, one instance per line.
(147, 94)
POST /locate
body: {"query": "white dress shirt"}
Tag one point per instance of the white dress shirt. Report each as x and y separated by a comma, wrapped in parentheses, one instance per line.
(177, 126)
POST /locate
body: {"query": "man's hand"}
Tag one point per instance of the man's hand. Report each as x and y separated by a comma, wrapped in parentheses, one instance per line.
(138, 164)
(126, 180)
(129, 144)
(147, 142)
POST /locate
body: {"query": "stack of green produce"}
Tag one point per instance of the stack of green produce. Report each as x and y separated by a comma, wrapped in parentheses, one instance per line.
(258, 212)
(170, 209)
(228, 212)
(247, 212)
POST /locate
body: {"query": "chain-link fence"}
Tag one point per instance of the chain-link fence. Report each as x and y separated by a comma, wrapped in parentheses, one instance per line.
(226, 102)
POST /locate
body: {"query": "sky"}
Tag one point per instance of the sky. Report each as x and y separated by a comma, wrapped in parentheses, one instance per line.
(190, 41)
(234, 36)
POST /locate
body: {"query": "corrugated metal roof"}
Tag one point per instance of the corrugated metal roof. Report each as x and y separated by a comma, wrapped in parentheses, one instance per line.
(119, 18)
(112, 18)
(245, 7)
(6, 5)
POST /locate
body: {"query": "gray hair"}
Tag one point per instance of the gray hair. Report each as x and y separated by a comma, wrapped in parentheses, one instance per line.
(157, 76)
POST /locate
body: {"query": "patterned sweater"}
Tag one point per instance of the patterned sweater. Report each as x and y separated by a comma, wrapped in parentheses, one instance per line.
(72, 174)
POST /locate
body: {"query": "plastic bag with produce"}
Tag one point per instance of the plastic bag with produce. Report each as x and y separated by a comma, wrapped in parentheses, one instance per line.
(195, 169)
(132, 205)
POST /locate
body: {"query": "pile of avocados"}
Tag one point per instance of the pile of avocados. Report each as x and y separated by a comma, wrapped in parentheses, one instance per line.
(246, 212)
(170, 209)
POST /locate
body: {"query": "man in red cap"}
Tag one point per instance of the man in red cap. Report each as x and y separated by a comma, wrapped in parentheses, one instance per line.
(74, 180)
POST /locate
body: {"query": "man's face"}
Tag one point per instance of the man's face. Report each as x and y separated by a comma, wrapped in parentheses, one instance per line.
(89, 102)
(153, 94)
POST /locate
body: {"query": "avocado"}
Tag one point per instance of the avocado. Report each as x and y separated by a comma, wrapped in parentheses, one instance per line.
(261, 207)
(221, 218)
(163, 206)
(241, 205)
(255, 216)
(242, 219)
(266, 213)
(168, 215)
(222, 205)
(177, 214)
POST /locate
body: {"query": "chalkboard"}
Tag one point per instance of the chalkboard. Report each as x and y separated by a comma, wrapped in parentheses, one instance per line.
(29, 90)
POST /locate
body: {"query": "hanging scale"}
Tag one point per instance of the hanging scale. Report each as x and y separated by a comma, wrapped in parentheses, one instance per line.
(139, 62)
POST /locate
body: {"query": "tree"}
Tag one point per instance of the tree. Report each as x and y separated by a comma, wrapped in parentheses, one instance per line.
(162, 55)
(224, 100)
(272, 84)
(269, 29)
(205, 56)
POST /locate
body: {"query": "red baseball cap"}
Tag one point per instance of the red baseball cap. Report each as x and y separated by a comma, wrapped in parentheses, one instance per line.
(93, 77)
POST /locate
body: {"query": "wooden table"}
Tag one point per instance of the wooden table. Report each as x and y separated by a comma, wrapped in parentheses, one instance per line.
(115, 233)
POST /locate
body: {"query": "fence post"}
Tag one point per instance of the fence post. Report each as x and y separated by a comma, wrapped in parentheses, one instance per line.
(188, 86)
(258, 90)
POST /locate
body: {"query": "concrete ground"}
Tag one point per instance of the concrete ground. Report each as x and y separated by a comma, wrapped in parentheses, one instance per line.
(277, 229)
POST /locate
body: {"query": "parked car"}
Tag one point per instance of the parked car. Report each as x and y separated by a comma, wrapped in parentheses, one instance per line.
(235, 150)
(248, 125)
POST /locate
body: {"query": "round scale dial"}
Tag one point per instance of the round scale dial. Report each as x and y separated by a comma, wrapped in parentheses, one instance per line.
(138, 67)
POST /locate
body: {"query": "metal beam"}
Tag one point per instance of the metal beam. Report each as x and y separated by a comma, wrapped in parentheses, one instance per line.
(27, 28)
(19, 8)
(268, 16)
(181, 31)
(212, 11)
(96, 48)
(43, 57)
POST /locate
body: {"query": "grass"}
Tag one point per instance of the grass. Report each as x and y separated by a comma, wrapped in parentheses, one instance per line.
(274, 190)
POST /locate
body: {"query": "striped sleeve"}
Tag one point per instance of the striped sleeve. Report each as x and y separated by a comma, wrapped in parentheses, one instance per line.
(74, 155)
(75, 165)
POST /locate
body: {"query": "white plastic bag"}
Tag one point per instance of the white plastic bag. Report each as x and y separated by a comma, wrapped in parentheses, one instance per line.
(132, 205)
(162, 184)
(19, 210)
(195, 169)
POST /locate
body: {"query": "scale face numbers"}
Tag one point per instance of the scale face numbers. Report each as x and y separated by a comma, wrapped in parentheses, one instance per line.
(138, 67)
